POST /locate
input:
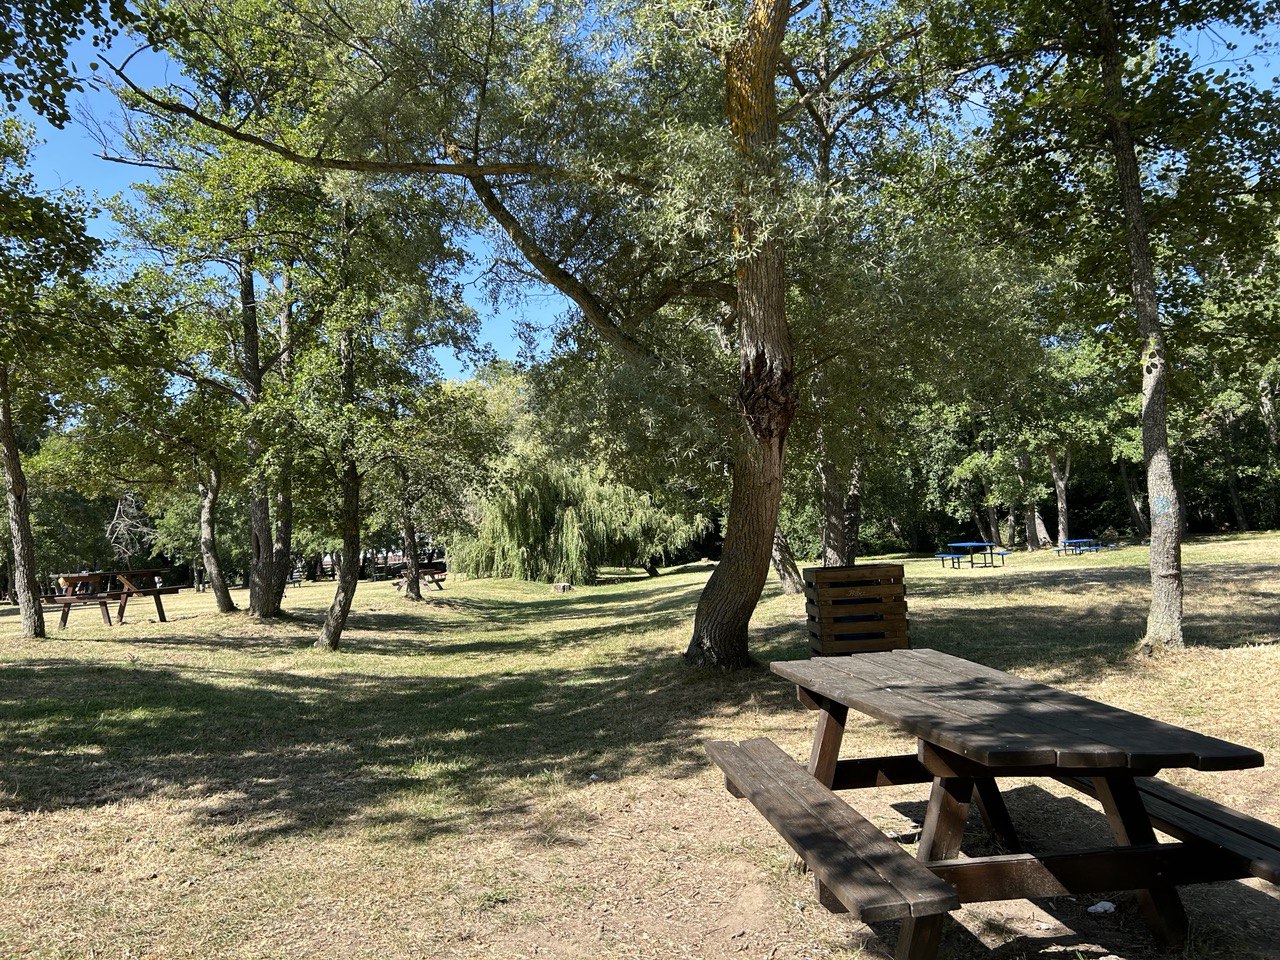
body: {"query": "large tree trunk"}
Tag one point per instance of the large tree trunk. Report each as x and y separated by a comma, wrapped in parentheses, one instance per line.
(210, 488)
(853, 513)
(1164, 620)
(784, 564)
(767, 388)
(1061, 470)
(413, 572)
(17, 498)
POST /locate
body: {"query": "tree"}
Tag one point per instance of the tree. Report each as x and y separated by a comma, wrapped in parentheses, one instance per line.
(44, 254)
(1111, 121)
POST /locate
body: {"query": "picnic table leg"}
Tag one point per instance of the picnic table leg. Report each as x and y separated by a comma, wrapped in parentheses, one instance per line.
(940, 840)
(995, 815)
(124, 602)
(827, 737)
(160, 609)
(62, 620)
(1130, 825)
(106, 614)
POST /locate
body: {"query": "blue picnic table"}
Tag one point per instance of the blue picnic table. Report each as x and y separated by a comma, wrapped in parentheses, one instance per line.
(979, 553)
(1078, 546)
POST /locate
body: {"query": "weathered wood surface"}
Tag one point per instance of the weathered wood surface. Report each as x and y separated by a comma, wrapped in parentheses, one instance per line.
(858, 609)
(1000, 720)
(869, 874)
(1189, 817)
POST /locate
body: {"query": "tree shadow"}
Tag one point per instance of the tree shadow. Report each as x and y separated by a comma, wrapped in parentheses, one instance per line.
(283, 753)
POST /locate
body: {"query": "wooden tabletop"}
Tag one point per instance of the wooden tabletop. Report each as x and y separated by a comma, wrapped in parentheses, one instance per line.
(1001, 720)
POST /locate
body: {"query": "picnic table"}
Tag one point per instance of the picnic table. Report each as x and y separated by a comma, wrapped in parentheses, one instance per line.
(977, 552)
(102, 587)
(974, 725)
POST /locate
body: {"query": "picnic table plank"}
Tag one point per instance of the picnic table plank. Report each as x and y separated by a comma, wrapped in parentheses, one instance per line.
(1001, 720)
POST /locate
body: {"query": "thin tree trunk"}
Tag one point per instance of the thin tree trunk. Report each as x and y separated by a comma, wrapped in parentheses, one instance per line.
(17, 497)
(784, 564)
(282, 543)
(983, 530)
(1030, 513)
(1164, 620)
(1132, 502)
(1233, 485)
(335, 619)
(412, 572)
(835, 547)
(210, 488)
(853, 513)
(1042, 532)
(1011, 529)
(767, 388)
(262, 594)
(993, 516)
(1061, 470)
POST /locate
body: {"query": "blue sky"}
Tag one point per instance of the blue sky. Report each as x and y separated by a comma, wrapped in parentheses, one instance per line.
(71, 158)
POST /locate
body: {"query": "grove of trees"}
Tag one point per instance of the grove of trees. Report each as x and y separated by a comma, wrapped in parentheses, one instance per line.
(839, 277)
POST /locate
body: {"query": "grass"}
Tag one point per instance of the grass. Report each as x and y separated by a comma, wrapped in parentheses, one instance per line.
(504, 772)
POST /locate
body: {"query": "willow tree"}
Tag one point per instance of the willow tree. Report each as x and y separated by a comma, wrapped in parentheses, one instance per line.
(1131, 148)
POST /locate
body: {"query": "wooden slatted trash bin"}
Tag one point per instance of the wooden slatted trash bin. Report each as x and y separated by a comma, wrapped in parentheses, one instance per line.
(858, 609)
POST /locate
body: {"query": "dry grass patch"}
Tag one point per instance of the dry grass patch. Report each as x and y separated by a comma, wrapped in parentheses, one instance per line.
(502, 772)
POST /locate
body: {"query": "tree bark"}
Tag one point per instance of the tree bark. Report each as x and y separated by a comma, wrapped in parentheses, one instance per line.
(262, 593)
(282, 544)
(210, 488)
(335, 619)
(1233, 484)
(853, 513)
(784, 564)
(835, 545)
(413, 572)
(1061, 470)
(1164, 619)
(767, 389)
(1030, 512)
(17, 498)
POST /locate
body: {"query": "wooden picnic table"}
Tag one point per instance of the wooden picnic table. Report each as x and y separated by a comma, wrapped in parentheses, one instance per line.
(102, 587)
(974, 725)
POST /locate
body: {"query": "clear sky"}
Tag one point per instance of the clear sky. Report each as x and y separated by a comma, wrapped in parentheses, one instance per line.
(71, 157)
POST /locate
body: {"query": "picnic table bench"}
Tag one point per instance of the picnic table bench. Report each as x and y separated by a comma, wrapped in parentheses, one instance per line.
(90, 589)
(974, 725)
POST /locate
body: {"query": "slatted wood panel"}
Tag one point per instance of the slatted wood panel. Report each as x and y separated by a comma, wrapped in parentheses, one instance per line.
(871, 875)
(858, 609)
(1000, 720)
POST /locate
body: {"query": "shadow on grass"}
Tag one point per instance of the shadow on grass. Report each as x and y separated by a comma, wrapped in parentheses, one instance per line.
(286, 753)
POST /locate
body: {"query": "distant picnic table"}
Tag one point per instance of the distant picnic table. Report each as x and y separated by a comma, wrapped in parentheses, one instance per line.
(1079, 545)
(978, 552)
(103, 587)
(973, 725)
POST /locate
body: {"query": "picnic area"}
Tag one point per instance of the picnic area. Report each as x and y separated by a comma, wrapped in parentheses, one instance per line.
(504, 771)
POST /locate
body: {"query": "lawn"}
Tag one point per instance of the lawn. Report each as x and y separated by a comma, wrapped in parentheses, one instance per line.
(504, 772)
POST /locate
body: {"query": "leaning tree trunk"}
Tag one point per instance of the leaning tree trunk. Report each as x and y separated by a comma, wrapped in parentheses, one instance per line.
(210, 488)
(335, 620)
(17, 497)
(1164, 620)
(413, 572)
(784, 564)
(767, 387)
(1061, 470)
